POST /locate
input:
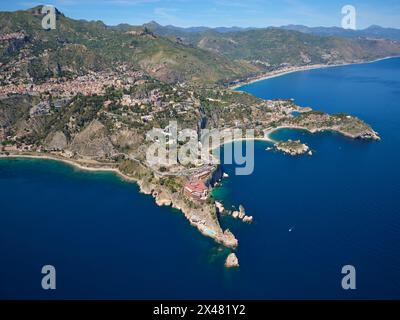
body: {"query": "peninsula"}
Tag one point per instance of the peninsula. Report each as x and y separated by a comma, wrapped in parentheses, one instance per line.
(103, 89)
(107, 132)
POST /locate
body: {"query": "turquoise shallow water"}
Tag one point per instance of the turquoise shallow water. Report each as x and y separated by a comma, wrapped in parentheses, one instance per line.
(342, 204)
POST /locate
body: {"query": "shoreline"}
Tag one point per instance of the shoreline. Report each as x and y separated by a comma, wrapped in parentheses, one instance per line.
(71, 163)
(220, 236)
(279, 73)
(77, 165)
(211, 229)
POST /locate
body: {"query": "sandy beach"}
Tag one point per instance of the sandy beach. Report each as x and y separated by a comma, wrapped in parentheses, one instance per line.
(73, 163)
(282, 72)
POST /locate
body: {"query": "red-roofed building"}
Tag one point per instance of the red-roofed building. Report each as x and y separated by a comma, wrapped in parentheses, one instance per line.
(196, 189)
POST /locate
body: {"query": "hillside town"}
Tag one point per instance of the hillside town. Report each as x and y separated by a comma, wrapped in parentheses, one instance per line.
(100, 119)
(93, 83)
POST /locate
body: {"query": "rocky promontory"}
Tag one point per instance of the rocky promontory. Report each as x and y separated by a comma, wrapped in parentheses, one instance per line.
(232, 261)
(201, 214)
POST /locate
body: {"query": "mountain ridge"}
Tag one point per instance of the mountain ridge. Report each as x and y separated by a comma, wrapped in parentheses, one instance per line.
(167, 53)
(371, 31)
(77, 46)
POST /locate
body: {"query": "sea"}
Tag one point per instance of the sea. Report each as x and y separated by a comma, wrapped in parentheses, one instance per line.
(313, 215)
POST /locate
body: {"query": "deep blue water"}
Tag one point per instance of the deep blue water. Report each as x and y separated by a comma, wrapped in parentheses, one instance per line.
(343, 205)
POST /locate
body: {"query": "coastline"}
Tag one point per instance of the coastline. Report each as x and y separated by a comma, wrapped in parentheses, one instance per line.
(201, 218)
(214, 231)
(72, 163)
(279, 73)
(162, 196)
(103, 168)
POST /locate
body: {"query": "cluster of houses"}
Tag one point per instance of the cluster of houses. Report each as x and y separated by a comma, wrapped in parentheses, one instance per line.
(176, 101)
(154, 98)
(93, 83)
(196, 187)
(160, 101)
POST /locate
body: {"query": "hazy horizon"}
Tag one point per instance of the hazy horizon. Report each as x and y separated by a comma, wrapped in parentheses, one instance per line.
(223, 13)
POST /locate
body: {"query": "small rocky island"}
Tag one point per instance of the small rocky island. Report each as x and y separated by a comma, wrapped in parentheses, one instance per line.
(232, 261)
(241, 215)
(291, 147)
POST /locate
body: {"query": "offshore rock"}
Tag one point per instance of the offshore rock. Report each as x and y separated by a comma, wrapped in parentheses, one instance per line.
(232, 261)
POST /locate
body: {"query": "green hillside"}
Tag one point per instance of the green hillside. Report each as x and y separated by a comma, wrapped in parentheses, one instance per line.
(166, 53)
(78, 46)
(274, 46)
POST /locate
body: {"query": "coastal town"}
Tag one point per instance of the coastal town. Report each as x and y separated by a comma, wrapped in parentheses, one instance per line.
(174, 152)
(93, 83)
(99, 120)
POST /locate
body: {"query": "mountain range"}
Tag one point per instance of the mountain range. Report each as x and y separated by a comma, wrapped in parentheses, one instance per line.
(372, 32)
(171, 54)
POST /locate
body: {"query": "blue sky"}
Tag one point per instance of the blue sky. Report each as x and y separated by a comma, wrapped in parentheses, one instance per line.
(254, 13)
